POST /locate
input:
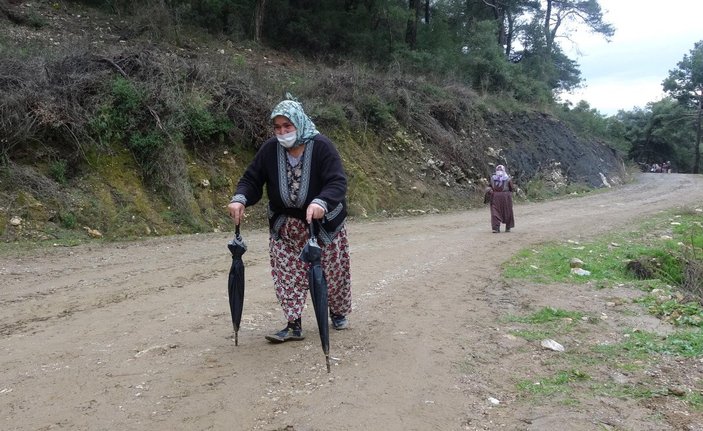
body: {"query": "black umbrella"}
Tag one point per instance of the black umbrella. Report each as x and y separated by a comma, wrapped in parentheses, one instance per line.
(235, 285)
(312, 253)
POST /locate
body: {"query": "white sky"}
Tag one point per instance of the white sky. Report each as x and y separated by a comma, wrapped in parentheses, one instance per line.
(651, 37)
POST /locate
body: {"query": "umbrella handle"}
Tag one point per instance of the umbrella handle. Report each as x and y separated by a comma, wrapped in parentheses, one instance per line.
(313, 235)
(237, 235)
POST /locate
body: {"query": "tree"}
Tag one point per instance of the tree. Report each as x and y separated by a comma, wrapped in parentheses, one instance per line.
(507, 13)
(259, 13)
(656, 135)
(559, 13)
(414, 7)
(685, 84)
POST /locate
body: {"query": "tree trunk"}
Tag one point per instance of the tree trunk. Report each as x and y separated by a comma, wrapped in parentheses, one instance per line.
(427, 12)
(259, 12)
(697, 161)
(413, 18)
(510, 34)
(547, 29)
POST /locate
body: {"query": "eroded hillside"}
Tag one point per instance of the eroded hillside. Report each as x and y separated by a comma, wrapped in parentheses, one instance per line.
(118, 125)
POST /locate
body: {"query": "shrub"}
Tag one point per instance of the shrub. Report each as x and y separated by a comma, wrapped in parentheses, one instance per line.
(146, 147)
(376, 112)
(68, 220)
(58, 170)
(331, 115)
(203, 126)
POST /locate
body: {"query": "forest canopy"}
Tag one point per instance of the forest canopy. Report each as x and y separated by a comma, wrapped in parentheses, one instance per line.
(507, 46)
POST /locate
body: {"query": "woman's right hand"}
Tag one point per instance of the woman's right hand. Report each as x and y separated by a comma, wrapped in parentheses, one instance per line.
(236, 211)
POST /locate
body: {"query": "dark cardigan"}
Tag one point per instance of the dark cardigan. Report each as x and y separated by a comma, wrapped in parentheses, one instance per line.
(323, 179)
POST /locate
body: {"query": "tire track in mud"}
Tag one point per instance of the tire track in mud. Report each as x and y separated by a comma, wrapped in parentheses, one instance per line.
(115, 284)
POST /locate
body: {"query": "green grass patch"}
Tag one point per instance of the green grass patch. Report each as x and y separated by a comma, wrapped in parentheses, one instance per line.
(663, 238)
(559, 383)
(659, 256)
(638, 352)
(627, 391)
(551, 323)
(549, 314)
(683, 343)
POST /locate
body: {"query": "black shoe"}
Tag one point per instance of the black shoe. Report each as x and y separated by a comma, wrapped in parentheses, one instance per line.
(286, 334)
(507, 229)
(496, 230)
(339, 321)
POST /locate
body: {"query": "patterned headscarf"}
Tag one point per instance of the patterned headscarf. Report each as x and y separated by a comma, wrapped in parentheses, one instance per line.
(293, 110)
(500, 176)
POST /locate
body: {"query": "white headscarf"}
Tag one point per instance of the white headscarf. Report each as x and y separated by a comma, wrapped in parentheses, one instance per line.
(500, 177)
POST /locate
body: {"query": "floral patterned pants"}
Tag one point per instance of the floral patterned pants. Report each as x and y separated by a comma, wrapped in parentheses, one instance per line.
(290, 273)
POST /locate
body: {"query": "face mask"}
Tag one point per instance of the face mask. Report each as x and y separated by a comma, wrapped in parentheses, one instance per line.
(287, 140)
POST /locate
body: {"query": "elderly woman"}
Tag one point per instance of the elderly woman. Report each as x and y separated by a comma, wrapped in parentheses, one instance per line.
(501, 200)
(305, 183)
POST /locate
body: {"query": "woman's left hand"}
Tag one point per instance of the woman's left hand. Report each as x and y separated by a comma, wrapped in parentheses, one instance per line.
(314, 212)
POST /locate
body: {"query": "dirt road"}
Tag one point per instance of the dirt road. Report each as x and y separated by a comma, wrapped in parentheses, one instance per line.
(137, 336)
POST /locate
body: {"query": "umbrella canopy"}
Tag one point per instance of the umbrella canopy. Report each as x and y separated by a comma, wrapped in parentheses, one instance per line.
(235, 285)
(312, 253)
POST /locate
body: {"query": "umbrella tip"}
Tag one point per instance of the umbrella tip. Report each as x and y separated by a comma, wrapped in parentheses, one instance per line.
(327, 358)
(236, 338)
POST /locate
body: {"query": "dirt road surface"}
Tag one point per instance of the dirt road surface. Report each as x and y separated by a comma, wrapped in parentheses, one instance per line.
(137, 336)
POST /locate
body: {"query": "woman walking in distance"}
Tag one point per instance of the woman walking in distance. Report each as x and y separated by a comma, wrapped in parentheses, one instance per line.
(501, 200)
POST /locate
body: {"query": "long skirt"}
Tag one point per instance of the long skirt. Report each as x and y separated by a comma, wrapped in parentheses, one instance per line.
(502, 210)
(290, 273)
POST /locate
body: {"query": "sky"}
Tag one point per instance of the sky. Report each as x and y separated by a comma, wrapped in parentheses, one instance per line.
(651, 37)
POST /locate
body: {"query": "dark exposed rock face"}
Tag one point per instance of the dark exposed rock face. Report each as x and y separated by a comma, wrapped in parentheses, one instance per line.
(537, 143)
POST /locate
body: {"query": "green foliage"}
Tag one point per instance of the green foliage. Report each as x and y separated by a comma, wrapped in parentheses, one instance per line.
(376, 32)
(376, 112)
(685, 84)
(559, 383)
(68, 220)
(127, 98)
(549, 314)
(668, 267)
(589, 122)
(58, 170)
(687, 344)
(487, 67)
(660, 132)
(119, 114)
(123, 117)
(146, 147)
(551, 322)
(331, 114)
(673, 310)
(202, 125)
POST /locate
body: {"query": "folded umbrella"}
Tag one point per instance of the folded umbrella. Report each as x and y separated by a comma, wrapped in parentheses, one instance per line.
(312, 253)
(235, 285)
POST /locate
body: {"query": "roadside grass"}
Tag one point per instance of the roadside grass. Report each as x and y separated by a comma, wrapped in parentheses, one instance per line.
(673, 244)
(581, 371)
(662, 256)
(550, 321)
